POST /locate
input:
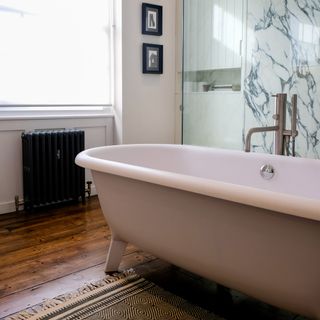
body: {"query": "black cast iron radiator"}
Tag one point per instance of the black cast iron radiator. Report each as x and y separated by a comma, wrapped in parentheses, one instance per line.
(50, 175)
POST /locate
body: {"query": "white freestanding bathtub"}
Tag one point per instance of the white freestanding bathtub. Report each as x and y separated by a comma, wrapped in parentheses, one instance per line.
(210, 211)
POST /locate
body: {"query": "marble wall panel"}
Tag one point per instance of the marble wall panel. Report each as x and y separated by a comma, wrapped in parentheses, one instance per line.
(282, 55)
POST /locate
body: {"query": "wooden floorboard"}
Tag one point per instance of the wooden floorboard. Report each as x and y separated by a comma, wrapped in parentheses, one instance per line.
(54, 251)
(68, 283)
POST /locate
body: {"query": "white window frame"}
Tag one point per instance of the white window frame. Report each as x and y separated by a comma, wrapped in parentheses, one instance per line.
(52, 111)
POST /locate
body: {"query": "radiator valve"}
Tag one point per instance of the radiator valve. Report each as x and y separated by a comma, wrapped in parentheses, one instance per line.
(18, 202)
(88, 190)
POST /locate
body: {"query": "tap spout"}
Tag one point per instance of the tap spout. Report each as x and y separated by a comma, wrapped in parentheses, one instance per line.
(282, 135)
(255, 130)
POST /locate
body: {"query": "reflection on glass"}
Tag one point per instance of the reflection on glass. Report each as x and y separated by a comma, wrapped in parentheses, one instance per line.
(212, 73)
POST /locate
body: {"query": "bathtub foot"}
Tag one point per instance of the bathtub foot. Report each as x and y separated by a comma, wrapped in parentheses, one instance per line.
(114, 256)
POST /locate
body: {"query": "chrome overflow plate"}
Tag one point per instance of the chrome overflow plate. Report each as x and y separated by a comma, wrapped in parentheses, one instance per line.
(267, 171)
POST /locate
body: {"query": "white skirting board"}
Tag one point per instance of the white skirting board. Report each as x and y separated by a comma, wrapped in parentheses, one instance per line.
(9, 207)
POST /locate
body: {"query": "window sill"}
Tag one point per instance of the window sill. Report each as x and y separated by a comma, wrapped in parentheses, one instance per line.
(38, 113)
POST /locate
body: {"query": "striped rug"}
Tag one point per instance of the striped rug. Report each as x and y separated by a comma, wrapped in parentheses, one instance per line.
(125, 296)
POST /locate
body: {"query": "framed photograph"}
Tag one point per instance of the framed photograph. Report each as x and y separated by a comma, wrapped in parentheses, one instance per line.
(152, 58)
(151, 19)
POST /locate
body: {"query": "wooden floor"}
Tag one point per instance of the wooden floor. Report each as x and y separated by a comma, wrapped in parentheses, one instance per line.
(47, 253)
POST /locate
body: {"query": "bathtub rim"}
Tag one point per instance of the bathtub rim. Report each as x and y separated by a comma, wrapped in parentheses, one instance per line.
(302, 207)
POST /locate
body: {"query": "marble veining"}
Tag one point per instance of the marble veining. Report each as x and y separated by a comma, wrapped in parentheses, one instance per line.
(283, 55)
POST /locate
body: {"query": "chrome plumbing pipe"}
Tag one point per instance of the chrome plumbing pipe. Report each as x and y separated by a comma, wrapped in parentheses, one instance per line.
(281, 135)
(280, 122)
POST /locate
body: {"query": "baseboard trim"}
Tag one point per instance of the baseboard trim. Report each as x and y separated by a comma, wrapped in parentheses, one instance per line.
(7, 207)
(10, 207)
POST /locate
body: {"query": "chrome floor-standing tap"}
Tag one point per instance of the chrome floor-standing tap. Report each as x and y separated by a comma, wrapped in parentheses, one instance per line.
(281, 136)
(294, 131)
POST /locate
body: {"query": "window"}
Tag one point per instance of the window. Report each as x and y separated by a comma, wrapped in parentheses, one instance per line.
(55, 52)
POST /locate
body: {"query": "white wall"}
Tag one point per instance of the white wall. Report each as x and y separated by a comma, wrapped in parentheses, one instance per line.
(98, 131)
(146, 102)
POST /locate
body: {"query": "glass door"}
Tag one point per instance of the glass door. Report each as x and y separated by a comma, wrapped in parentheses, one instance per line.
(212, 100)
(237, 56)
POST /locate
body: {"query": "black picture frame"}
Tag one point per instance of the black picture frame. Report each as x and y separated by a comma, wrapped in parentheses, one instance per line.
(152, 58)
(151, 19)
